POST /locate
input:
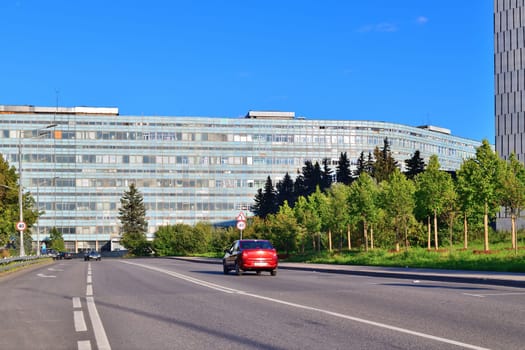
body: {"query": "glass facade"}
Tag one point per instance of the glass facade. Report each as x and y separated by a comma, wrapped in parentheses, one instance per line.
(78, 162)
(509, 77)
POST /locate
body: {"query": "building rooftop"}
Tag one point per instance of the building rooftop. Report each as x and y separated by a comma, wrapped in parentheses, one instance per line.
(17, 109)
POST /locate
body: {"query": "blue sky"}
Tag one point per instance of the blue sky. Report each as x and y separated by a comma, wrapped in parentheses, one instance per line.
(412, 62)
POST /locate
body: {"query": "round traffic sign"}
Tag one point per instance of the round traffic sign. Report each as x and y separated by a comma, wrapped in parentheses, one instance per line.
(241, 225)
(20, 226)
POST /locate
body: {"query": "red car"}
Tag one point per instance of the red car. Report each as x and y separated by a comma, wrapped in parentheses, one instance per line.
(250, 255)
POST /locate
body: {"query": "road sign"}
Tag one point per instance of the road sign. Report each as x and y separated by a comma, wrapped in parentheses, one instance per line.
(241, 217)
(20, 226)
(241, 225)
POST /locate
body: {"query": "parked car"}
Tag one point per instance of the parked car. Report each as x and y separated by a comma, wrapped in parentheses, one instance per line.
(92, 255)
(63, 255)
(52, 253)
(250, 255)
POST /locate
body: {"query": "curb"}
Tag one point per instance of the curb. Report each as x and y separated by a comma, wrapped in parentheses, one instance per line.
(473, 277)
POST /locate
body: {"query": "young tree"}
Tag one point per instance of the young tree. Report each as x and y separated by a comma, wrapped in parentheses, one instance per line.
(465, 188)
(343, 173)
(397, 196)
(512, 192)
(363, 202)
(56, 240)
(486, 180)
(338, 215)
(414, 165)
(132, 216)
(283, 229)
(433, 192)
(309, 219)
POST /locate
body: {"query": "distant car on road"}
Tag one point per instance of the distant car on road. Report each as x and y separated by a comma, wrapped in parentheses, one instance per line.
(63, 255)
(250, 255)
(92, 255)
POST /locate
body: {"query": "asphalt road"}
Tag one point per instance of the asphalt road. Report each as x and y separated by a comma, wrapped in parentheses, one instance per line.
(171, 304)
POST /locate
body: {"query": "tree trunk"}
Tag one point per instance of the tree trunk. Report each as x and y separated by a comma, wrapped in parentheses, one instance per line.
(450, 231)
(465, 231)
(513, 230)
(429, 227)
(406, 238)
(349, 237)
(330, 240)
(372, 237)
(365, 234)
(486, 226)
(436, 243)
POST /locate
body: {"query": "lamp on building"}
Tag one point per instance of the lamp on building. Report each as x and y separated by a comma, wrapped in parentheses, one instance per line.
(21, 224)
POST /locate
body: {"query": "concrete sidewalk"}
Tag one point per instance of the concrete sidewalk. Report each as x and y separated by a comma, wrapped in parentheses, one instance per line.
(458, 276)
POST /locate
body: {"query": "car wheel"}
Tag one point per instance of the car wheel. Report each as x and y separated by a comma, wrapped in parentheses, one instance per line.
(273, 272)
(238, 270)
(225, 269)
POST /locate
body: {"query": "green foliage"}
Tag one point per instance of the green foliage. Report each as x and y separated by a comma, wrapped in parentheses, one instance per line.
(132, 215)
(343, 172)
(56, 240)
(283, 229)
(385, 164)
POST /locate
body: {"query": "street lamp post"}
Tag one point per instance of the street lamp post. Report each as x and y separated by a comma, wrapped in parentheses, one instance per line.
(20, 193)
(38, 218)
(20, 189)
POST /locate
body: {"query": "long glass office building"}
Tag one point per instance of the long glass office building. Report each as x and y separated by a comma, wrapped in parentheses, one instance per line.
(77, 162)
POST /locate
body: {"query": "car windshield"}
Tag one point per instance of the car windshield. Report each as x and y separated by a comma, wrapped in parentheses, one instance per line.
(256, 245)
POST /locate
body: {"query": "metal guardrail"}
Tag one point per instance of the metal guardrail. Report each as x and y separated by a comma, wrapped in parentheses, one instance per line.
(17, 261)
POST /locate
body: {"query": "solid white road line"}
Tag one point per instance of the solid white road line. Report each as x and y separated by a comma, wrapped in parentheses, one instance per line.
(494, 294)
(89, 290)
(76, 303)
(305, 307)
(98, 328)
(89, 279)
(84, 345)
(80, 324)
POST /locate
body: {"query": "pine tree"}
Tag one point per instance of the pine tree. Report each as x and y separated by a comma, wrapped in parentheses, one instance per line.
(326, 176)
(385, 163)
(414, 165)
(132, 215)
(285, 191)
(343, 173)
(361, 165)
(268, 204)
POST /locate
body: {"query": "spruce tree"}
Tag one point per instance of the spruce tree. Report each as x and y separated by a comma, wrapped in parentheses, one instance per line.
(414, 165)
(285, 191)
(343, 173)
(268, 204)
(132, 215)
(326, 176)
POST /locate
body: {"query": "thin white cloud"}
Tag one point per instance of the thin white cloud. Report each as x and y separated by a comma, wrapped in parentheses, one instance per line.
(422, 20)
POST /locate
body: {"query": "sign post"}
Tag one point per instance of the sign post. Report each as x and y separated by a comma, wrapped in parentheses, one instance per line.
(241, 222)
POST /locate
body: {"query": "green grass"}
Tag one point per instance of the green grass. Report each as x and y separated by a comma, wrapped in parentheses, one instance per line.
(499, 259)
